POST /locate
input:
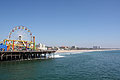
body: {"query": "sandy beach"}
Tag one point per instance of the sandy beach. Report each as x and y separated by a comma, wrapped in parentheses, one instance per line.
(66, 51)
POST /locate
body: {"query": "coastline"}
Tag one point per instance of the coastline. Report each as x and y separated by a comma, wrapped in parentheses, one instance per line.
(66, 51)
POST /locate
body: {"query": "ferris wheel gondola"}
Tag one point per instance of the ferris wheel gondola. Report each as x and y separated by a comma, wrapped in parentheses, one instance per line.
(22, 31)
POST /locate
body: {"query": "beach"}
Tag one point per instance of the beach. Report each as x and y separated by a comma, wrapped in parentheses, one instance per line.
(66, 51)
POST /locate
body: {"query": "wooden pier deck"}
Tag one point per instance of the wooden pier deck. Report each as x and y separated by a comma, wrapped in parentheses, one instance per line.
(25, 55)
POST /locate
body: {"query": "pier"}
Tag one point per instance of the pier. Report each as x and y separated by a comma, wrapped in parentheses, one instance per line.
(25, 55)
(21, 45)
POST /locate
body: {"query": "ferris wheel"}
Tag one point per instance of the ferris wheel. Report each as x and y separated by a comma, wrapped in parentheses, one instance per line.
(20, 33)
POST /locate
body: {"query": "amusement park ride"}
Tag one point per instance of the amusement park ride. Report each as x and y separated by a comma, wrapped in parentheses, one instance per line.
(20, 45)
(20, 39)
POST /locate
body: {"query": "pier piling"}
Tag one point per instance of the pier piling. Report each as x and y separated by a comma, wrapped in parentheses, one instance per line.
(25, 55)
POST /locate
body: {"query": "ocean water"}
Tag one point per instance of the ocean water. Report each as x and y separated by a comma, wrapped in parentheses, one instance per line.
(103, 65)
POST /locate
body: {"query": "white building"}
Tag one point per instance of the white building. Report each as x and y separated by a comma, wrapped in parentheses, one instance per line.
(41, 47)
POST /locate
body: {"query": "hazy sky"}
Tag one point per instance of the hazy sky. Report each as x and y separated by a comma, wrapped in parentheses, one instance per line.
(64, 22)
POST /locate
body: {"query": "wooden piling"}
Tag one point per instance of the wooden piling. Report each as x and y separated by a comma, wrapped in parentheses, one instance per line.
(9, 56)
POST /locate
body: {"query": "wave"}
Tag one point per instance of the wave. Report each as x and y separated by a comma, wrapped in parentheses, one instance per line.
(58, 56)
(64, 54)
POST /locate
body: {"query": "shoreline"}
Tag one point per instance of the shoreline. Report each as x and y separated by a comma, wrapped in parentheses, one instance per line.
(66, 51)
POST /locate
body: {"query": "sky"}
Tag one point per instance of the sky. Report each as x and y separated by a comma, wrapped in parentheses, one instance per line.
(84, 23)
